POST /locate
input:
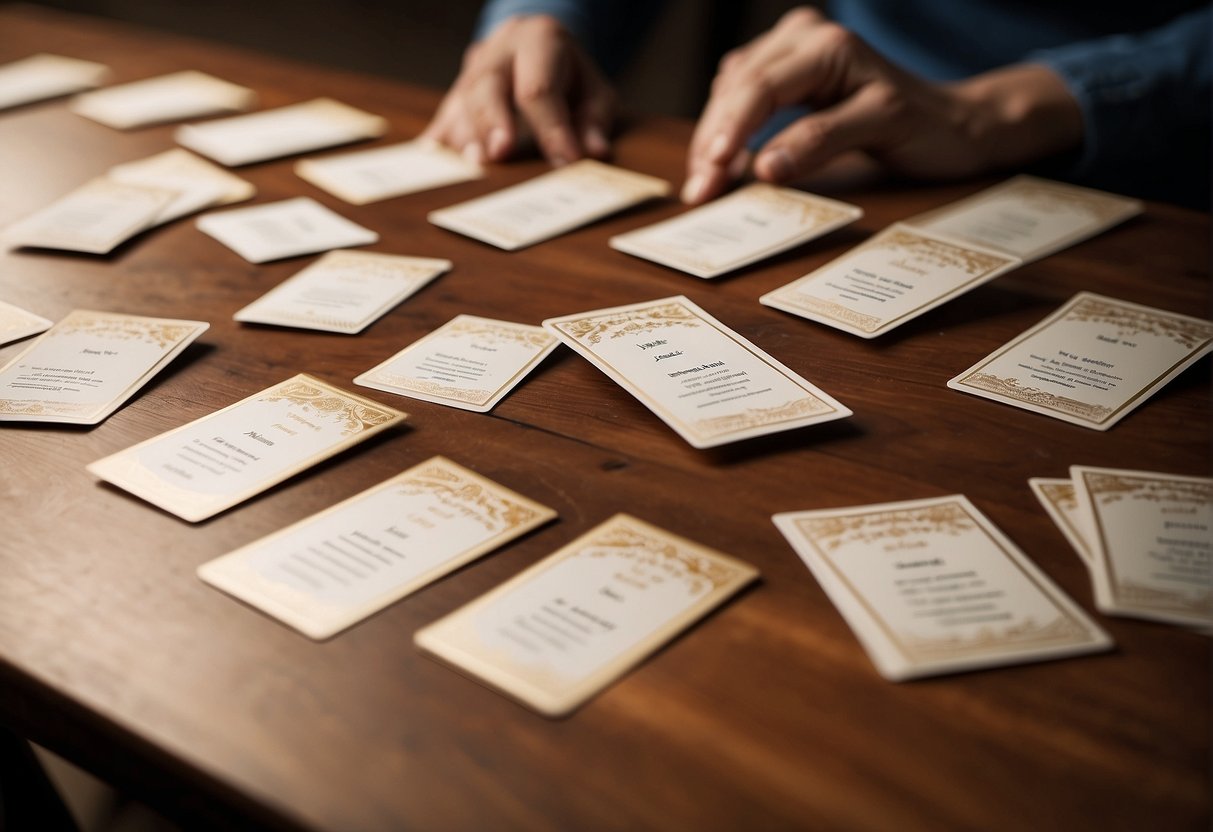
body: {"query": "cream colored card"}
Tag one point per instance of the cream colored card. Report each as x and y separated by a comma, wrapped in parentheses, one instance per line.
(550, 204)
(561, 631)
(469, 363)
(343, 291)
(213, 463)
(701, 378)
(88, 365)
(932, 586)
(285, 131)
(199, 183)
(892, 278)
(16, 323)
(1029, 217)
(288, 228)
(330, 571)
(1059, 500)
(173, 97)
(1091, 362)
(367, 176)
(1153, 536)
(43, 76)
(748, 225)
(95, 218)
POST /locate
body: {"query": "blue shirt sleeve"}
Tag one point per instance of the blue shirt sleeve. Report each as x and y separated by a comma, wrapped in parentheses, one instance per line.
(1145, 99)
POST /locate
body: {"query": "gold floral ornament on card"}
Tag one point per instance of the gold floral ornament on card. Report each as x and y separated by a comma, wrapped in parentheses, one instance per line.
(659, 559)
(592, 330)
(1129, 322)
(947, 519)
(122, 328)
(358, 416)
(452, 488)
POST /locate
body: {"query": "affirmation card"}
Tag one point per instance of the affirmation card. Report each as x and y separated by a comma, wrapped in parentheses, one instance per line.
(702, 379)
(562, 630)
(213, 463)
(750, 224)
(285, 131)
(892, 278)
(343, 291)
(367, 176)
(199, 183)
(1061, 504)
(931, 586)
(1091, 362)
(39, 77)
(288, 228)
(16, 323)
(330, 571)
(1029, 217)
(95, 218)
(1153, 546)
(550, 204)
(87, 366)
(469, 363)
(173, 97)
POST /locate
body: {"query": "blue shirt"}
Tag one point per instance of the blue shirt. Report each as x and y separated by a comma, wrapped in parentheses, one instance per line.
(1141, 72)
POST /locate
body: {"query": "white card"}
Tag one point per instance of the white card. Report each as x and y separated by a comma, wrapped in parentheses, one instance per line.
(931, 586)
(748, 225)
(1153, 543)
(173, 97)
(343, 291)
(95, 218)
(1029, 217)
(330, 571)
(43, 76)
(550, 204)
(261, 233)
(469, 363)
(285, 131)
(87, 365)
(892, 278)
(1091, 362)
(559, 632)
(367, 176)
(702, 379)
(16, 323)
(222, 459)
(1061, 503)
(199, 183)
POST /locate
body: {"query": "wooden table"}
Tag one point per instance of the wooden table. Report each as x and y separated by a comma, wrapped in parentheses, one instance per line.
(767, 715)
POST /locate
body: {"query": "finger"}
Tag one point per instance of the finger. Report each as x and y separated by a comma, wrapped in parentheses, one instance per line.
(595, 114)
(541, 84)
(488, 102)
(860, 122)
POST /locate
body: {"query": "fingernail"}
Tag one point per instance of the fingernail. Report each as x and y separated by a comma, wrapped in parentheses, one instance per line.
(596, 143)
(718, 150)
(473, 152)
(778, 164)
(693, 190)
(499, 143)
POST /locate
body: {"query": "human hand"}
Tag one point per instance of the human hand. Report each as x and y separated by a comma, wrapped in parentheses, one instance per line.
(861, 101)
(529, 67)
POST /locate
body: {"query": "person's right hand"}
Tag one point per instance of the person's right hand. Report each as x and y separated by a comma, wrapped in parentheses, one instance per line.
(528, 74)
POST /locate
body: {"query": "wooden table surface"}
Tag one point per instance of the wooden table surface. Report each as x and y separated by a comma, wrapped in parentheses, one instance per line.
(767, 715)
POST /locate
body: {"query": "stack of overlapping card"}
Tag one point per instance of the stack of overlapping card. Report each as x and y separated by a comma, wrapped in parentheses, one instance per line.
(1145, 537)
(130, 198)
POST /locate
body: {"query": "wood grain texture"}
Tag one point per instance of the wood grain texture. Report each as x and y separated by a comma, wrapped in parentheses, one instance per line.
(767, 715)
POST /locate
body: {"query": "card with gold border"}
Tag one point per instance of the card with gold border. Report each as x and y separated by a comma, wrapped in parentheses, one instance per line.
(890, 279)
(1152, 536)
(469, 362)
(932, 586)
(220, 460)
(701, 378)
(1090, 363)
(332, 570)
(561, 631)
(366, 176)
(16, 323)
(1029, 217)
(549, 205)
(1060, 502)
(746, 226)
(89, 364)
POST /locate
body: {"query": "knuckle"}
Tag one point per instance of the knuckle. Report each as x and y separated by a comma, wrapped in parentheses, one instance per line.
(801, 17)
